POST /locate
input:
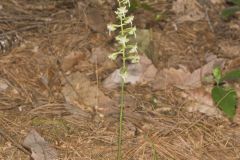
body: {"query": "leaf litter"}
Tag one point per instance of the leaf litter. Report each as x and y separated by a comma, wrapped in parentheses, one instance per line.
(40, 149)
(140, 73)
(60, 69)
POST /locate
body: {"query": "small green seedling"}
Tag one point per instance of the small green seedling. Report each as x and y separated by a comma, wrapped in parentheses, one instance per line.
(217, 74)
(231, 11)
(225, 97)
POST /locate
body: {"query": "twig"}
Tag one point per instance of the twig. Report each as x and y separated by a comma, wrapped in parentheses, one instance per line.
(208, 20)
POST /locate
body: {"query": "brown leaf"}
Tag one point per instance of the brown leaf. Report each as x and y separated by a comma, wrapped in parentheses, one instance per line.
(142, 72)
(170, 76)
(80, 92)
(194, 80)
(182, 78)
(187, 10)
(39, 147)
(202, 102)
(230, 48)
(232, 64)
(95, 20)
(99, 54)
(72, 59)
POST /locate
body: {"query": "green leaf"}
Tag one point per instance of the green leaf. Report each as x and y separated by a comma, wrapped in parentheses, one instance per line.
(228, 12)
(237, 2)
(217, 74)
(232, 75)
(226, 100)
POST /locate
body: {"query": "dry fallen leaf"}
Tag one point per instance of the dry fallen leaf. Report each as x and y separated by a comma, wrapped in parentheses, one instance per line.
(170, 76)
(201, 102)
(187, 10)
(95, 20)
(72, 59)
(191, 84)
(40, 149)
(182, 78)
(195, 79)
(80, 92)
(233, 64)
(142, 72)
(99, 54)
(230, 48)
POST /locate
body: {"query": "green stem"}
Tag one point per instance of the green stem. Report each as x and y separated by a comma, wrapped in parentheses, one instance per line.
(122, 105)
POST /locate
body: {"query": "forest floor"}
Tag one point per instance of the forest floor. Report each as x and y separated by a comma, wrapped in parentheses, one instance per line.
(59, 93)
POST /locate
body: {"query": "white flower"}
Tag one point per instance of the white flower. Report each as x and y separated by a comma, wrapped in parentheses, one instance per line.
(134, 58)
(126, 2)
(111, 28)
(129, 20)
(133, 49)
(132, 31)
(114, 55)
(122, 39)
(121, 11)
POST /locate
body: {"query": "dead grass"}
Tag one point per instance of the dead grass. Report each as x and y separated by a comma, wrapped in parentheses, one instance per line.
(33, 99)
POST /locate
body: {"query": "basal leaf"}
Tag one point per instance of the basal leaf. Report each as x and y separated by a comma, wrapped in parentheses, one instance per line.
(226, 100)
(232, 75)
(228, 12)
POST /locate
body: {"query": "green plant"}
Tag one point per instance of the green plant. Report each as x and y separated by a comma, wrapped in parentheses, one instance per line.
(126, 51)
(230, 11)
(224, 96)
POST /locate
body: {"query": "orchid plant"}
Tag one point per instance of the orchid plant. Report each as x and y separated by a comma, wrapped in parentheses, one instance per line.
(125, 50)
